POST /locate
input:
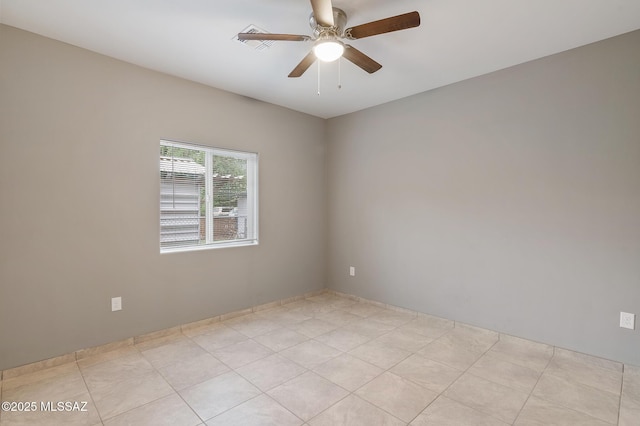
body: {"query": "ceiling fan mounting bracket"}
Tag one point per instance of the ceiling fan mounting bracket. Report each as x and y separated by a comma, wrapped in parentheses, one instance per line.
(339, 21)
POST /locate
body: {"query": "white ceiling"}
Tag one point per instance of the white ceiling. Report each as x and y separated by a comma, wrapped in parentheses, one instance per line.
(193, 39)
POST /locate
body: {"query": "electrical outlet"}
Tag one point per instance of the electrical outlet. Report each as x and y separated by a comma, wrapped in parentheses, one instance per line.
(628, 320)
(116, 304)
(352, 271)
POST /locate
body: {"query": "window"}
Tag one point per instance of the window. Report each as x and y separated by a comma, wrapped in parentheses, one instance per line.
(208, 197)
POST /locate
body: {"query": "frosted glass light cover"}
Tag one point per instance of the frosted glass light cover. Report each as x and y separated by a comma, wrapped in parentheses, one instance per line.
(328, 51)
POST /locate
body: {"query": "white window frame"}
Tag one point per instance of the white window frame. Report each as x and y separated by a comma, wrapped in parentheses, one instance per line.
(252, 198)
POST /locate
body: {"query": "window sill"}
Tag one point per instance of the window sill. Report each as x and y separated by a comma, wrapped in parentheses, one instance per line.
(226, 244)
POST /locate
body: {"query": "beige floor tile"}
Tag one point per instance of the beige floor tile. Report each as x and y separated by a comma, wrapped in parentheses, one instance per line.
(310, 309)
(354, 411)
(252, 325)
(363, 310)
(629, 413)
(575, 370)
(99, 358)
(369, 328)
(127, 394)
(217, 395)
(392, 318)
(342, 303)
(343, 340)
(588, 359)
(348, 371)
(427, 373)
(404, 339)
(429, 326)
(397, 396)
(281, 339)
(339, 317)
(447, 412)
(538, 412)
(115, 371)
(259, 411)
(193, 370)
(455, 356)
(242, 353)
(631, 384)
(172, 352)
(307, 395)
(576, 396)
(283, 316)
(313, 327)
(84, 413)
(271, 371)
(505, 373)
(296, 304)
(491, 398)
(66, 384)
(311, 353)
(523, 352)
(477, 339)
(168, 411)
(460, 348)
(219, 337)
(379, 354)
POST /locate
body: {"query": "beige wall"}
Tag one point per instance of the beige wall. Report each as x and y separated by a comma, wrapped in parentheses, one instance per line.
(509, 201)
(79, 197)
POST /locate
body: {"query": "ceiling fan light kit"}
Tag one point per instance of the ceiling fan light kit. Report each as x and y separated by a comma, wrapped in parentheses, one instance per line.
(327, 23)
(328, 50)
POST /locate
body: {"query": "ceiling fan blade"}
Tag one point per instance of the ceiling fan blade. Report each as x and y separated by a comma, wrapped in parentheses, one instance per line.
(323, 12)
(387, 25)
(306, 62)
(360, 59)
(279, 37)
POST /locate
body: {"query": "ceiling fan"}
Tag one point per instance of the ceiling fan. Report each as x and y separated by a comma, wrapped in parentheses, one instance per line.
(327, 23)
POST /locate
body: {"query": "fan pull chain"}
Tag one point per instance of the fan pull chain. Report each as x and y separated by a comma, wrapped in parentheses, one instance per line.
(340, 73)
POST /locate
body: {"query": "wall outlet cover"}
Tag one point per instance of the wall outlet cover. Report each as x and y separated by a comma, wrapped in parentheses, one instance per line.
(628, 320)
(116, 304)
(352, 271)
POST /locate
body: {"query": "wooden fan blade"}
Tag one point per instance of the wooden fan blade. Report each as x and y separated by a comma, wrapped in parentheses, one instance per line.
(360, 59)
(323, 12)
(279, 37)
(387, 25)
(304, 65)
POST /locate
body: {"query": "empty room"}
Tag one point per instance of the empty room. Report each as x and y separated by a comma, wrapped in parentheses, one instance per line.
(320, 212)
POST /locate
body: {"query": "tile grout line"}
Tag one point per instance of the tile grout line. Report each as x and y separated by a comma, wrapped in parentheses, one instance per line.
(534, 386)
(621, 390)
(262, 393)
(587, 385)
(441, 394)
(170, 385)
(575, 383)
(84, 380)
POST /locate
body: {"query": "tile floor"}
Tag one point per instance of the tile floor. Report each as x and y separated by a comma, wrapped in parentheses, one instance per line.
(329, 360)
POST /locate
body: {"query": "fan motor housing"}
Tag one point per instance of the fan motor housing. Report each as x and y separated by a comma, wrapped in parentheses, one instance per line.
(339, 22)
